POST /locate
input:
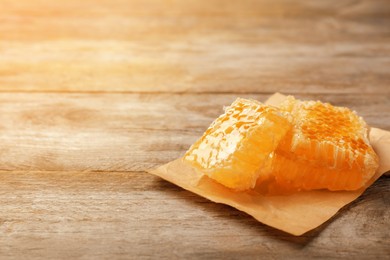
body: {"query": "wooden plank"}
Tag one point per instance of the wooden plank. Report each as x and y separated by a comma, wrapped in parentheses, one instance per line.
(123, 132)
(191, 46)
(66, 215)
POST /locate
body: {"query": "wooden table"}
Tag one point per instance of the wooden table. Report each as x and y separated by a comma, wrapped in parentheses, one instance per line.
(93, 93)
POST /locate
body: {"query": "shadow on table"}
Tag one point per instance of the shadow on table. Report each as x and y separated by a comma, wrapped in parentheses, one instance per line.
(246, 220)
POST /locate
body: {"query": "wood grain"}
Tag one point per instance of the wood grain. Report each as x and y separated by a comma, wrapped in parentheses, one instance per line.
(175, 46)
(123, 132)
(93, 93)
(135, 215)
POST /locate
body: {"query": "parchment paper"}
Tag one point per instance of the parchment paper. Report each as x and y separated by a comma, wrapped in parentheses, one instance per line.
(295, 213)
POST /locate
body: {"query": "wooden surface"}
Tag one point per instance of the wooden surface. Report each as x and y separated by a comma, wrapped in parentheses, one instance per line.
(93, 93)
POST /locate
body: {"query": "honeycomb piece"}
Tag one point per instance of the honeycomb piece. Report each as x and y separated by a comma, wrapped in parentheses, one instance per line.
(238, 144)
(327, 148)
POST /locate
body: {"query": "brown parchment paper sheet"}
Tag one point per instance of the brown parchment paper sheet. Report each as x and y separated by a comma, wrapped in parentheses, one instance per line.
(295, 213)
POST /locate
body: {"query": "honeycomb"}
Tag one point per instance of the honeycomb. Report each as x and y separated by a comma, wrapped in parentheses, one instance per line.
(302, 145)
(327, 148)
(236, 148)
